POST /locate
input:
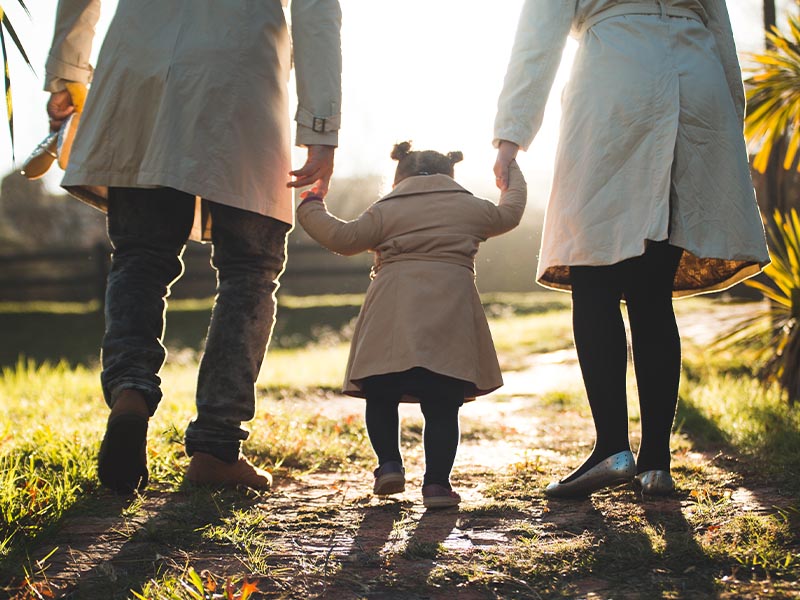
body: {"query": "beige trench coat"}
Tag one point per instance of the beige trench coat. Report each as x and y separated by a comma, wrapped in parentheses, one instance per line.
(651, 144)
(422, 308)
(192, 94)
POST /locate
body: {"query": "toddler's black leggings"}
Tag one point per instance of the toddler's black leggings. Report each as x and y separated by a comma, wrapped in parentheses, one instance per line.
(440, 398)
(646, 284)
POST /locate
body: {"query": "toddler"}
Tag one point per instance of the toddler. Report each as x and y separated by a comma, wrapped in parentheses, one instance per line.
(422, 334)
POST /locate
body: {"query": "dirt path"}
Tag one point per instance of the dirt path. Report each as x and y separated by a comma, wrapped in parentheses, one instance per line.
(324, 535)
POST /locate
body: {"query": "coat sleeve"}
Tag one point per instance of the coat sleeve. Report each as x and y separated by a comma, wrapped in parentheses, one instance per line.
(507, 214)
(719, 24)
(343, 237)
(541, 36)
(72, 44)
(316, 40)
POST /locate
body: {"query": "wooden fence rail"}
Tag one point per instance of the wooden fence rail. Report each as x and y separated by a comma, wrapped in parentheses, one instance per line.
(79, 275)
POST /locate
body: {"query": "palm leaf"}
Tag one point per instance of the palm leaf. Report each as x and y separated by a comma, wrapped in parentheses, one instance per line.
(7, 88)
(7, 28)
(776, 340)
(773, 97)
(769, 293)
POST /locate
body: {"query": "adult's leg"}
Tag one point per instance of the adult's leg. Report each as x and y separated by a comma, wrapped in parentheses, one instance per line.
(148, 229)
(656, 349)
(249, 255)
(440, 403)
(601, 344)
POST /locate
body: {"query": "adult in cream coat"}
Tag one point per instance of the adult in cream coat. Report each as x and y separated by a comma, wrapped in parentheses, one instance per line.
(185, 133)
(651, 198)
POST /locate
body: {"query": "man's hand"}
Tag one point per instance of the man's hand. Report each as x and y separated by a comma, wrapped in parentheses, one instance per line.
(505, 154)
(59, 107)
(317, 171)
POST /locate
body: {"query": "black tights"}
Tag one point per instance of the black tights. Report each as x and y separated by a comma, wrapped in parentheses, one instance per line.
(440, 398)
(646, 284)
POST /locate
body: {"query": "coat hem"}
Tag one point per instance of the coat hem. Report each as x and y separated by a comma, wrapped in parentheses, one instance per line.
(554, 278)
(96, 195)
(353, 389)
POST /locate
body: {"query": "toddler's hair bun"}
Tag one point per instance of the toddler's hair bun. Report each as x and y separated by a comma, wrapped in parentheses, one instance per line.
(401, 150)
(455, 157)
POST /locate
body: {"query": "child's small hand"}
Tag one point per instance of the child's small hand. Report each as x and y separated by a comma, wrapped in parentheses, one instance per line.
(311, 195)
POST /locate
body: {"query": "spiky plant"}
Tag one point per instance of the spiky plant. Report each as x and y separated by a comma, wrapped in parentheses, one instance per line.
(7, 29)
(773, 97)
(774, 333)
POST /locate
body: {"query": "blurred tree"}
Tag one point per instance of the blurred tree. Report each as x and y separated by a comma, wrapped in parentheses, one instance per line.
(31, 218)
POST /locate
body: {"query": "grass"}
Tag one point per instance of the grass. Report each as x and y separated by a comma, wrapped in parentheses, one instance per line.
(197, 542)
(723, 406)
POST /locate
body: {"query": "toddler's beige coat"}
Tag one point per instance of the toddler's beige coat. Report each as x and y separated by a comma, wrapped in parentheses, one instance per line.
(422, 308)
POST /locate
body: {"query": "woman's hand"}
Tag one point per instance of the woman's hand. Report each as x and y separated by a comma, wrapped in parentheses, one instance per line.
(506, 152)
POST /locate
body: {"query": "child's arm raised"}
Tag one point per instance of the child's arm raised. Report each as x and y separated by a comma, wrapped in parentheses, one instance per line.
(508, 213)
(342, 237)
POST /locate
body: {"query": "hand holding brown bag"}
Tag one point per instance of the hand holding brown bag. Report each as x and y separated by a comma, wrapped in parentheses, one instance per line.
(64, 109)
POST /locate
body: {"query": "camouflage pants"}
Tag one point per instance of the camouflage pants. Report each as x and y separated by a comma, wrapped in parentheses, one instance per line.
(149, 229)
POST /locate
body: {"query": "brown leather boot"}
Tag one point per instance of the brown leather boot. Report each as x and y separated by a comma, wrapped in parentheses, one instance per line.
(122, 461)
(206, 469)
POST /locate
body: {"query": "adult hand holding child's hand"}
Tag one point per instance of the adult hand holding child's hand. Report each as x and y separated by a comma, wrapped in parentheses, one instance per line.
(506, 152)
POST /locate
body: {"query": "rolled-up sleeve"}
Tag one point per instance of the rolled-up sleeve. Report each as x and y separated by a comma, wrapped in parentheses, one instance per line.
(316, 39)
(542, 33)
(68, 59)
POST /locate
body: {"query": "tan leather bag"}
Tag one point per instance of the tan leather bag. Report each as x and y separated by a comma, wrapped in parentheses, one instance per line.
(58, 144)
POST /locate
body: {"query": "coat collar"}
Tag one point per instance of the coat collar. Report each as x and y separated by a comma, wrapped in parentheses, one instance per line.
(424, 184)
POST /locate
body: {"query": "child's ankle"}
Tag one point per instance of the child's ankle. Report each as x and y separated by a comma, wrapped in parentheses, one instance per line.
(445, 484)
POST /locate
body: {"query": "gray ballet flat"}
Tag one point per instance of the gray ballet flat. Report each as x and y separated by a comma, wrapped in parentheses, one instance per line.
(614, 470)
(655, 483)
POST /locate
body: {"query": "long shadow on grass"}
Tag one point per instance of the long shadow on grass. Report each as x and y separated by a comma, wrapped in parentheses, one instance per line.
(363, 566)
(109, 555)
(682, 559)
(26, 553)
(603, 546)
(381, 562)
(773, 468)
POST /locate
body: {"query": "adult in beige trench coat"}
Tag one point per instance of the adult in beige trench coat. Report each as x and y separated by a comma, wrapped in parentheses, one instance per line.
(186, 134)
(651, 197)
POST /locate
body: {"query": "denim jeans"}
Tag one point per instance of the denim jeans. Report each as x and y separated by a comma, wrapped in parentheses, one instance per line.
(148, 229)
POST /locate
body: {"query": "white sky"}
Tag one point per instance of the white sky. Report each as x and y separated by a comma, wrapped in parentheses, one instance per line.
(425, 70)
